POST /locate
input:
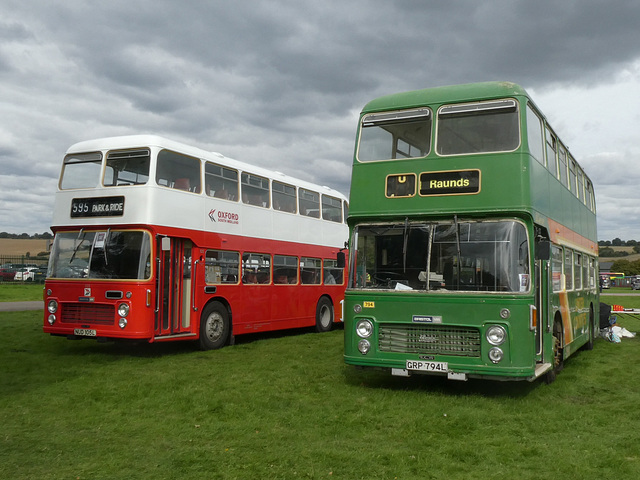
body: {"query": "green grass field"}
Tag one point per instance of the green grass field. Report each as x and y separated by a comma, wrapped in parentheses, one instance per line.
(20, 292)
(285, 406)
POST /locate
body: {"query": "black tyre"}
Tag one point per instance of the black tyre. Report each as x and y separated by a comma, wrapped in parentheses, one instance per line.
(324, 315)
(558, 361)
(214, 326)
(592, 332)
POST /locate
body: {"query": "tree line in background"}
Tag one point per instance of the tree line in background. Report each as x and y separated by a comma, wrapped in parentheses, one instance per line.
(622, 265)
(26, 236)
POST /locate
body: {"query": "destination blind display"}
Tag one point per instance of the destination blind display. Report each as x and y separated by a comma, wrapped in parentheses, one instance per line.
(97, 207)
(459, 182)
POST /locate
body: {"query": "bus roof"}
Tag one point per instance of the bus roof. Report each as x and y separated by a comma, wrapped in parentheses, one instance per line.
(139, 141)
(448, 94)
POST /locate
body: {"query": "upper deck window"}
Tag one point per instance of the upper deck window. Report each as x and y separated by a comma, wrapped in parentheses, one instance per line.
(309, 203)
(331, 209)
(220, 182)
(395, 135)
(81, 170)
(284, 197)
(255, 190)
(178, 171)
(127, 167)
(478, 128)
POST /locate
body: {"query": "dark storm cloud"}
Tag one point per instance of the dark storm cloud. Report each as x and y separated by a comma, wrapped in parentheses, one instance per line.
(277, 83)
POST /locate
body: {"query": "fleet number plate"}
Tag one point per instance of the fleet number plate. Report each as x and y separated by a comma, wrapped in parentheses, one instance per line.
(84, 332)
(425, 366)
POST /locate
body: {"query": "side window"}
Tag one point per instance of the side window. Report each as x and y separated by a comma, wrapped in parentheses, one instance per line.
(178, 171)
(221, 267)
(588, 195)
(552, 150)
(285, 269)
(556, 268)
(256, 268)
(309, 203)
(562, 166)
(577, 271)
(220, 182)
(345, 206)
(284, 197)
(534, 134)
(580, 185)
(310, 271)
(332, 274)
(255, 190)
(568, 268)
(573, 175)
(331, 209)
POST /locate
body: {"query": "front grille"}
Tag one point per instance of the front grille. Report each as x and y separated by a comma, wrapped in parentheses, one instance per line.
(89, 313)
(429, 339)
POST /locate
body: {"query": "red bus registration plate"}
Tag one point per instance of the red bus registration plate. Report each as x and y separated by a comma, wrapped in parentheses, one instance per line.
(84, 332)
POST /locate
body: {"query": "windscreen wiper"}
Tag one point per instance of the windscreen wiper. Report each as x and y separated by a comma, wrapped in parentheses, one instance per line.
(75, 250)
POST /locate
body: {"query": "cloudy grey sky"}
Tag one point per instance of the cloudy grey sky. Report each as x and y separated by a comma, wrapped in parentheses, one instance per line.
(279, 83)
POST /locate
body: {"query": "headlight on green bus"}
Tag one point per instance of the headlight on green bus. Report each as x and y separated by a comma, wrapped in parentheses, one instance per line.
(364, 328)
(496, 335)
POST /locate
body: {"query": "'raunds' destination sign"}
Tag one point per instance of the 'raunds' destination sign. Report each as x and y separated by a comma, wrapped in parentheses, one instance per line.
(457, 182)
(97, 207)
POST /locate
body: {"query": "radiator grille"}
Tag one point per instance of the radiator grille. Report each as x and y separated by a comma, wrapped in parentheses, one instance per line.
(429, 339)
(88, 313)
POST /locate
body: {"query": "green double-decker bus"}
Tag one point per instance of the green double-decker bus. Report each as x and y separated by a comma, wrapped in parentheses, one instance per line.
(473, 246)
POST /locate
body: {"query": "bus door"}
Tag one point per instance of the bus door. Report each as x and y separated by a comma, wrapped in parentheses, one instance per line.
(174, 286)
(542, 286)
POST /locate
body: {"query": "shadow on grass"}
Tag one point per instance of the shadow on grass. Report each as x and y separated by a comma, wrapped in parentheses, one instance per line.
(382, 379)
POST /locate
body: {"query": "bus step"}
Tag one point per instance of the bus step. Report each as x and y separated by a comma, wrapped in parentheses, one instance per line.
(541, 369)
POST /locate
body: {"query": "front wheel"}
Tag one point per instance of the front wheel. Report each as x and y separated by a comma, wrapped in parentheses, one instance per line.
(558, 361)
(324, 315)
(214, 326)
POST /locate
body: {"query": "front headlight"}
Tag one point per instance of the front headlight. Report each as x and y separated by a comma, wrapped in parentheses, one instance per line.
(52, 306)
(495, 355)
(364, 346)
(496, 335)
(364, 328)
(123, 309)
(122, 323)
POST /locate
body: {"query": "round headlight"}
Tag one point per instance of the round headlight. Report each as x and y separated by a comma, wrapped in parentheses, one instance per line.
(495, 354)
(52, 306)
(51, 319)
(123, 309)
(122, 323)
(364, 346)
(364, 328)
(496, 335)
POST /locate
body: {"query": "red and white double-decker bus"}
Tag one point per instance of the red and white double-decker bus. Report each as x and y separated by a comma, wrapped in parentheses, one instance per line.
(159, 241)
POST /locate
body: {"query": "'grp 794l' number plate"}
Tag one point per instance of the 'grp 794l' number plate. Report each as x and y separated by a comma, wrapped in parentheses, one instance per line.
(84, 332)
(425, 366)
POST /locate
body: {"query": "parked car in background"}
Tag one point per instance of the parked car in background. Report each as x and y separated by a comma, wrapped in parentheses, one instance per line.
(25, 274)
(635, 283)
(7, 274)
(40, 274)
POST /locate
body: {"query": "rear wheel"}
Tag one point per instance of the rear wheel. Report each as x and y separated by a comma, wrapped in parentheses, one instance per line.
(324, 315)
(592, 332)
(214, 326)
